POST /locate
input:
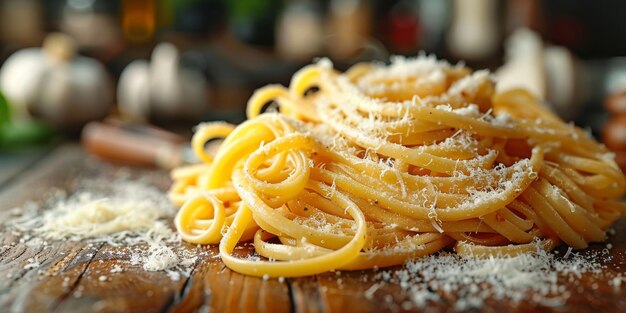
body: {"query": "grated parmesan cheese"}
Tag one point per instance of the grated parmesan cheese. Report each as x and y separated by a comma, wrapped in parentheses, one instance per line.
(537, 277)
(502, 119)
(116, 269)
(470, 110)
(32, 264)
(160, 258)
(130, 209)
(470, 83)
(128, 213)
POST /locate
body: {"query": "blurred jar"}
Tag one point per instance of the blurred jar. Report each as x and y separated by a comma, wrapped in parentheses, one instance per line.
(402, 28)
(350, 26)
(21, 22)
(91, 23)
(434, 17)
(474, 32)
(253, 21)
(139, 18)
(300, 31)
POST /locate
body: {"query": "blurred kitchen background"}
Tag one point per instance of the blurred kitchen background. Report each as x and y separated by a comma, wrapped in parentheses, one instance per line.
(174, 63)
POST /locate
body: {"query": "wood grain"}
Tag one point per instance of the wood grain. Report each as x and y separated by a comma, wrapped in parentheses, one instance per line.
(82, 277)
(131, 290)
(13, 163)
(215, 288)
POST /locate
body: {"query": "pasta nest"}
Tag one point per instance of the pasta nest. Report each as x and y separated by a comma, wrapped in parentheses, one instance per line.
(385, 163)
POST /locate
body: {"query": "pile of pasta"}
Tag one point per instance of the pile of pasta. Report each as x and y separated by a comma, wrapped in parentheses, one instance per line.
(385, 163)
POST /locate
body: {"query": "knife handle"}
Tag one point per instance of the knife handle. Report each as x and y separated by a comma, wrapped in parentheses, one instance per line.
(121, 145)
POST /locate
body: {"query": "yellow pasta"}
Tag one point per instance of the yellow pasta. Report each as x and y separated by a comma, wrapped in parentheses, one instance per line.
(382, 164)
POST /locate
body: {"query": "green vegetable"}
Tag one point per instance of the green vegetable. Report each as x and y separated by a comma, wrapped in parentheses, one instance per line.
(16, 134)
(5, 111)
(26, 133)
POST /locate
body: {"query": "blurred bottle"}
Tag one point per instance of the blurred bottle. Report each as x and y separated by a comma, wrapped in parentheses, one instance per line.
(474, 34)
(139, 20)
(590, 29)
(254, 21)
(21, 22)
(192, 17)
(300, 31)
(91, 23)
(350, 26)
(435, 18)
(614, 130)
(402, 28)
(523, 14)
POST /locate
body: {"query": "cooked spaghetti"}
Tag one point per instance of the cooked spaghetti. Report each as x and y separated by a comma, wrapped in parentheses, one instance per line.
(382, 164)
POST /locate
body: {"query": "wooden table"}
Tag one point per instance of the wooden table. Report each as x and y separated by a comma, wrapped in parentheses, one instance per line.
(68, 278)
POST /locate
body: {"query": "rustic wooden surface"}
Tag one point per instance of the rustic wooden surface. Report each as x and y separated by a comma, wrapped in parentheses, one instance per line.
(12, 163)
(68, 278)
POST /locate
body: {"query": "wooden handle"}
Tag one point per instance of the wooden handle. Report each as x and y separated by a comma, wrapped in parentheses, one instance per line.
(147, 130)
(616, 103)
(131, 148)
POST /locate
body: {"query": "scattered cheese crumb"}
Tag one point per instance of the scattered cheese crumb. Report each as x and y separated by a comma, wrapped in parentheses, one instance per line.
(502, 119)
(32, 263)
(173, 275)
(617, 281)
(473, 281)
(160, 258)
(369, 293)
(567, 254)
(116, 269)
